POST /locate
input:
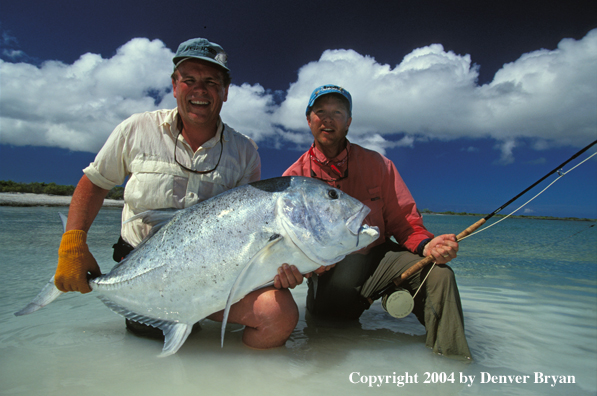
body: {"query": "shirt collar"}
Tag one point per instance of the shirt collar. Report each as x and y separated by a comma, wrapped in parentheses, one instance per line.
(172, 122)
(216, 139)
(321, 158)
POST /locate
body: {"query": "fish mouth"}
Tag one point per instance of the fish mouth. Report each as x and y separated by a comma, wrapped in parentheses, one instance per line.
(355, 222)
(356, 227)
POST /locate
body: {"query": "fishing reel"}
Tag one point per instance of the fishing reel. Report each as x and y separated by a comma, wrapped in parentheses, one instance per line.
(395, 300)
(398, 303)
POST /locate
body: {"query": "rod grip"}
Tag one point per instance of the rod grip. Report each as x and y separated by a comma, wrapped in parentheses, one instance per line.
(429, 259)
(470, 230)
(418, 266)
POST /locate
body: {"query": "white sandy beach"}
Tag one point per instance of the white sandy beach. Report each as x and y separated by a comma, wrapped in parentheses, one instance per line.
(28, 199)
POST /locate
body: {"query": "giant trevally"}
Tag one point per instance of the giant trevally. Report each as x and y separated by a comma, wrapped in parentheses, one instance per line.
(202, 259)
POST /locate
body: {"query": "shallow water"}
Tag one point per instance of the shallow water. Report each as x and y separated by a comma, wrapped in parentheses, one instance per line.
(529, 293)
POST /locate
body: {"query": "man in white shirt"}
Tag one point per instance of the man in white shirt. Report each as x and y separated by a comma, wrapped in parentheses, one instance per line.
(175, 158)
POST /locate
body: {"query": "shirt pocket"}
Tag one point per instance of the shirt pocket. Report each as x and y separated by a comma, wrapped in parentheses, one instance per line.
(375, 202)
(154, 185)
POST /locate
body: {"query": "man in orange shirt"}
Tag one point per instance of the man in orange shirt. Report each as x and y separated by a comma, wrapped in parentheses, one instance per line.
(374, 180)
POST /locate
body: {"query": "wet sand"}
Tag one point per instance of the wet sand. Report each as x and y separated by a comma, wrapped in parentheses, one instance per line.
(28, 199)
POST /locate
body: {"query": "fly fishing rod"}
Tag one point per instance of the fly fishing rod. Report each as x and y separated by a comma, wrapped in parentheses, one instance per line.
(395, 283)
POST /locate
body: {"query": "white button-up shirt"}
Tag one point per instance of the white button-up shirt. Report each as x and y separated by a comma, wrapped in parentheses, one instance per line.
(142, 149)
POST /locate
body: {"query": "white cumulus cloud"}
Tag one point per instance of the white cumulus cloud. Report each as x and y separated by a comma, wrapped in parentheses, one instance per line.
(76, 106)
(545, 98)
(248, 110)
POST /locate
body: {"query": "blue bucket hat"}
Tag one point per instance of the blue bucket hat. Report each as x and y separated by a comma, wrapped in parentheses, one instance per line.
(328, 89)
(200, 48)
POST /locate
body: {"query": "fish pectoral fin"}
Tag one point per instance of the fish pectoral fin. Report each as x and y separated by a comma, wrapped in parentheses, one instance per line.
(48, 294)
(238, 285)
(175, 335)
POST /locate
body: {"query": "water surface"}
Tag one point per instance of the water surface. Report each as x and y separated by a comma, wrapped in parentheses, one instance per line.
(528, 287)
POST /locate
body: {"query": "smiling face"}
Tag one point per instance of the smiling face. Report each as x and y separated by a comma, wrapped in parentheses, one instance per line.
(329, 121)
(200, 92)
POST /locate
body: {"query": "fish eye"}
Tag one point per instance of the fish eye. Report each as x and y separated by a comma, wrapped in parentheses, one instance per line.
(333, 194)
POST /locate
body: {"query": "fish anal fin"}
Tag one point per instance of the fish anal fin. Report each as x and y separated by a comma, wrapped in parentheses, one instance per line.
(175, 336)
(238, 283)
(175, 333)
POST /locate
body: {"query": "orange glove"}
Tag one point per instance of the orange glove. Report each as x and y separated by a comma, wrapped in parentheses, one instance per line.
(74, 263)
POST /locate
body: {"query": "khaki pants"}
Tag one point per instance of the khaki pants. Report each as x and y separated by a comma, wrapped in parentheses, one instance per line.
(335, 294)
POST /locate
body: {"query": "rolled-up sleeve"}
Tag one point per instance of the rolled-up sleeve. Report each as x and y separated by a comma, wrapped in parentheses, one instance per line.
(109, 168)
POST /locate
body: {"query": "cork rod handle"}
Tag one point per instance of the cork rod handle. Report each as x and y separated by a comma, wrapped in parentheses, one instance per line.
(429, 259)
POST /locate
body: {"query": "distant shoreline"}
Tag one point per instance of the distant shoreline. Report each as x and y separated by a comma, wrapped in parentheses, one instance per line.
(30, 199)
(503, 215)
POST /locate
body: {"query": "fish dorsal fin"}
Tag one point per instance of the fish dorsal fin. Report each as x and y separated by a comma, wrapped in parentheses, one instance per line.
(238, 283)
(155, 218)
(175, 333)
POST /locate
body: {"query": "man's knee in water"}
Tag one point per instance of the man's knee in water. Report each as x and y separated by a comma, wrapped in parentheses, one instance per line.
(277, 312)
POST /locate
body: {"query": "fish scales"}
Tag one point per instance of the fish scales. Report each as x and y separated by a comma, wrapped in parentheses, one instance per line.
(202, 259)
(183, 238)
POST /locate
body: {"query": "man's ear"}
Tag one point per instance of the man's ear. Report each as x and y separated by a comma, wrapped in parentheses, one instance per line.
(226, 92)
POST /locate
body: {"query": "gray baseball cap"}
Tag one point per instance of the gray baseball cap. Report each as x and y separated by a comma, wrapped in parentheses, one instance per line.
(200, 48)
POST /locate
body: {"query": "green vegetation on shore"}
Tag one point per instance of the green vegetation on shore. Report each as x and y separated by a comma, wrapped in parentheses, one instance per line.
(50, 189)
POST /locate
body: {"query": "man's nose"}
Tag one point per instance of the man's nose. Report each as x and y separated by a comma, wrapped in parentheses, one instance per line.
(200, 86)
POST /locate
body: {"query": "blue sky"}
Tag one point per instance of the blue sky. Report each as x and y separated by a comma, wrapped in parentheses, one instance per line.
(472, 103)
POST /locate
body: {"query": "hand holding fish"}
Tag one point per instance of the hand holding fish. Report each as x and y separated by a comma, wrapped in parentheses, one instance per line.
(443, 248)
(75, 263)
(290, 277)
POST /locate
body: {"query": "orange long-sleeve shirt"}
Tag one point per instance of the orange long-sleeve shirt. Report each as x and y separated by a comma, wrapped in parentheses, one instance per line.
(374, 180)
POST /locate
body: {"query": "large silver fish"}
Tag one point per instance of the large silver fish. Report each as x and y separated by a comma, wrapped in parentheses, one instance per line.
(203, 259)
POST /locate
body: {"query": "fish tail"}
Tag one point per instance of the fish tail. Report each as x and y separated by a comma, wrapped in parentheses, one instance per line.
(48, 294)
